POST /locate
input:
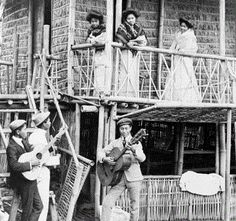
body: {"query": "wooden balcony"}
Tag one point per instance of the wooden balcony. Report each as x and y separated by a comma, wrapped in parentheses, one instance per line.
(215, 75)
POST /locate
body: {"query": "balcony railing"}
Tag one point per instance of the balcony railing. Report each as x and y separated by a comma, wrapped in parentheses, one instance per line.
(150, 73)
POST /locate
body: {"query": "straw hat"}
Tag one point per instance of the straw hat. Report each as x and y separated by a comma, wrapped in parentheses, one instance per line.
(94, 14)
(124, 121)
(16, 124)
(40, 118)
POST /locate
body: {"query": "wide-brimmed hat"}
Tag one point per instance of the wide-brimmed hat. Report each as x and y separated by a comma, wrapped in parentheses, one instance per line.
(124, 121)
(94, 14)
(16, 124)
(129, 11)
(40, 118)
(186, 21)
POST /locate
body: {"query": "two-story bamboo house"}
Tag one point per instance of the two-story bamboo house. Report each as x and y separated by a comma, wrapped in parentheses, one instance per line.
(182, 135)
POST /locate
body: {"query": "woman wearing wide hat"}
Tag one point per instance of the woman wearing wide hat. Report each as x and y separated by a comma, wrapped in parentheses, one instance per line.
(97, 36)
(182, 85)
(130, 33)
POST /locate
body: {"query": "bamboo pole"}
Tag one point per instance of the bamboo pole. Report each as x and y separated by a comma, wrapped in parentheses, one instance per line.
(15, 60)
(77, 128)
(99, 147)
(128, 3)
(160, 40)
(181, 149)
(42, 85)
(118, 13)
(70, 54)
(217, 151)
(235, 141)
(177, 142)
(30, 42)
(227, 172)
(222, 162)
(108, 48)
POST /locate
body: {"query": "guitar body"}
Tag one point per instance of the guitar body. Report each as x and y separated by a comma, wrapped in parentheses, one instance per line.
(33, 155)
(111, 175)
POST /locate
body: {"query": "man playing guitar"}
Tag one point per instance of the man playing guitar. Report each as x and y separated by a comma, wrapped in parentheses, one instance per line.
(28, 190)
(131, 177)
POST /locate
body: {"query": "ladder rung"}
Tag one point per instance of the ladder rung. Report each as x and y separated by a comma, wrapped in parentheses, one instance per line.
(17, 110)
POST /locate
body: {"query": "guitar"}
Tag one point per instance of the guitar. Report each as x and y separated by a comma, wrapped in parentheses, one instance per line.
(38, 153)
(111, 175)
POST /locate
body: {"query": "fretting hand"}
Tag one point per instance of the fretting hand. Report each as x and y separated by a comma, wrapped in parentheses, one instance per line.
(35, 163)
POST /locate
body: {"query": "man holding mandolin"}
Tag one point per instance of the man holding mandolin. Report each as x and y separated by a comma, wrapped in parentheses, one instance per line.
(123, 155)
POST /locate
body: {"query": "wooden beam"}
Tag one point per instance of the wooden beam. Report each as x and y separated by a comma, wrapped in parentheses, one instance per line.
(222, 27)
(77, 128)
(15, 60)
(118, 13)
(99, 146)
(227, 172)
(30, 42)
(70, 55)
(181, 149)
(177, 142)
(217, 150)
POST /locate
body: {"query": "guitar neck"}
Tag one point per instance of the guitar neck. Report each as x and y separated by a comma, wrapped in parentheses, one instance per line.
(54, 139)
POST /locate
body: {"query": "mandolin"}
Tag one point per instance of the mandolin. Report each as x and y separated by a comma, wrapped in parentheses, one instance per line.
(38, 153)
(111, 175)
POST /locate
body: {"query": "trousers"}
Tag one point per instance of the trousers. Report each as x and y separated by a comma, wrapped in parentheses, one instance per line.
(114, 193)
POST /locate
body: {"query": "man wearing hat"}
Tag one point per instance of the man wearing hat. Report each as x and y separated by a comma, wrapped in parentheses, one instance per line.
(131, 178)
(28, 190)
(38, 140)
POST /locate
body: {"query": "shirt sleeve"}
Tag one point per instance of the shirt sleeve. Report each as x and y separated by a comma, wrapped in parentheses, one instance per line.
(105, 151)
(139, 154)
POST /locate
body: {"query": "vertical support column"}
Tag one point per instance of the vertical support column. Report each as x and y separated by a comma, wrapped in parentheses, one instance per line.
(108, 48)
(15, 61)
(42, 84)
(70, 54)
(77, 127)
(160, 41)
(177, 139)
(217, 150)
(128, 3)
(30, 42)
(118, 13)
(181, 149)
(99, 147)
(222, 161)
(227, 172)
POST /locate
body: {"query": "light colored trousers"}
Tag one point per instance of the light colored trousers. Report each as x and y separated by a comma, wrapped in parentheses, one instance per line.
(43, 183)
(115, 192)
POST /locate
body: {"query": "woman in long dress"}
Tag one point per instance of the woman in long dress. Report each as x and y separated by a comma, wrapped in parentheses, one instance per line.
(181, 85)
(129, 33)
(97, 37)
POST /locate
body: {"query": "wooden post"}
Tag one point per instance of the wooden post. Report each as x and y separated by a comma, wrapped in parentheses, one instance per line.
(128, 3)
(177, 142)
(222, 162)
(108, 48)
(235, 140)
(227, 172)
(181, 149)
(15, 60)
(160, 41)
(30, 42)
(217, 150)
(118, 13)
(70, 53)
(77, 127)
(99, 147)
(42, 84)
(8, 79)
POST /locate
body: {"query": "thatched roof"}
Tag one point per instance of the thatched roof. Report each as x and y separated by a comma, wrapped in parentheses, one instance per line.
(199, 113)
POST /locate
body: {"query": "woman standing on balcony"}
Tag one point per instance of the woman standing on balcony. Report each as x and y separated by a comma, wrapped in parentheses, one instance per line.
(181, 84)
(97, 37)
(130, 33)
